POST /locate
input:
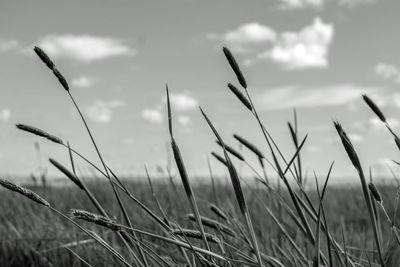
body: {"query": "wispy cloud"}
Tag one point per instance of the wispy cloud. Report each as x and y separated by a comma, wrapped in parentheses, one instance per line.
(388, 72)
(181, 101)
(83, 82)
(5, 114)
(245, 35)
(375, 124)
(127, 141)
(307, 48)
(302, 97)
(354, 138)
(353, 3)
(301, 3)
(101, 111)
(8, 45)
(84, 48)
(312, 149)
(152, 115)
(184, 120)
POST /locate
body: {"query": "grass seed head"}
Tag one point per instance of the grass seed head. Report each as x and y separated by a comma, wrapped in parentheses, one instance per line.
(397, 141)
(232, 151)
(213, 224)
(348, 146)
(237, 187)
(374, 108)
(39, 132)
(67, 173)
(23, 191)
(95, 218)
(219, 158)
(195, 234)
(219, 212)
(249, 145)
(61, 79)
(375, 192)
(181, 168)
(240, 96)
(235, 67)
(44, 57)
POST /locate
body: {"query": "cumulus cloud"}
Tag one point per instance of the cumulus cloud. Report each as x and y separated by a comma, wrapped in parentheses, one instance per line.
(152, 115)
(5, 114)
(83, 82)
(181, 101)
(101, 111)
(307, 48)
(8, 45)
(84, 48)
(388, 72)
(301, 97)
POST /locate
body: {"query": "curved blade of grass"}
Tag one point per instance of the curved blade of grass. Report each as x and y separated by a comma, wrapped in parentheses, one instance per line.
(238, 191)
(184, 176)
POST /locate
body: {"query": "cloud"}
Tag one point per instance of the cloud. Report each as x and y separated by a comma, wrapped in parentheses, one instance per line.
(353, 3)
(101, 111)
(152, 115)
(301, 97)
(388, 72)
(83, 82)
(5, 114)
(8, 45)
(247, 34)
(354, 138)
(83, 48)
(181, 101)
(184, 120)
(127, 141)
(307, 48)
(375, 124)
(301, 3)
(383, 167)
(312, 149)
(297, 4)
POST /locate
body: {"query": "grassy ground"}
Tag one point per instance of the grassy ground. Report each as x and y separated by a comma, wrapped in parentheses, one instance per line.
(32, 236)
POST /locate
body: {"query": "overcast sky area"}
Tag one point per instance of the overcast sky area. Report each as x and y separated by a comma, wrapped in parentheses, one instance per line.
(318, 56)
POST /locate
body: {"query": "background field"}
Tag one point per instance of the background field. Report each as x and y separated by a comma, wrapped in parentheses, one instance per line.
(32, 236)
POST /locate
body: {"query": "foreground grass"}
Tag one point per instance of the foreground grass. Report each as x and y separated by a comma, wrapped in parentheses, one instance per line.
(32, 236)
(278, 226)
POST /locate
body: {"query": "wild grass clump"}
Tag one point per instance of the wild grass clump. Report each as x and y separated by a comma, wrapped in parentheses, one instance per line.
(236, 224)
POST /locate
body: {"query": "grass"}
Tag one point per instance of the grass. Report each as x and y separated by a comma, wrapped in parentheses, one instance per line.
(109, 222)
(26, 225)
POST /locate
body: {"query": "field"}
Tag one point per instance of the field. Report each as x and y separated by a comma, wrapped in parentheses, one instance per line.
(32, 234)
(175, 221)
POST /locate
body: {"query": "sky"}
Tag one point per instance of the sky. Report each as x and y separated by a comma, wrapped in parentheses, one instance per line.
(318, 56)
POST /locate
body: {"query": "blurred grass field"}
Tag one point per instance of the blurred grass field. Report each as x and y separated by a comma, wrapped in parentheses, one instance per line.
(32, 236)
